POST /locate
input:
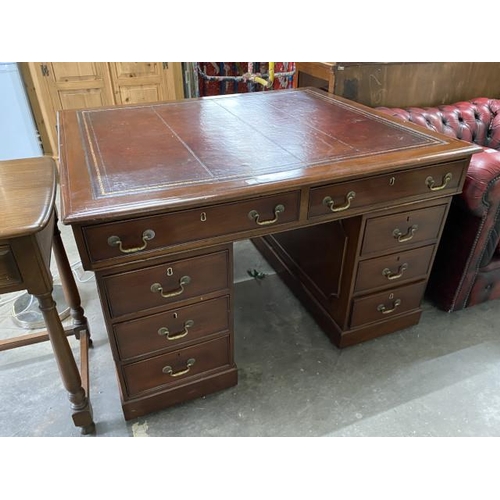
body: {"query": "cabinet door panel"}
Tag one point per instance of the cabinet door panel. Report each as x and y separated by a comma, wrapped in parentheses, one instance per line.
(68, 83)
(139, 93)
(136, 69)
(140, 82)
(76, 72)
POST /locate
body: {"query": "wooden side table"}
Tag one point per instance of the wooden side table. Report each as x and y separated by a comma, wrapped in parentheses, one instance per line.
(316, 74)
(28, 233)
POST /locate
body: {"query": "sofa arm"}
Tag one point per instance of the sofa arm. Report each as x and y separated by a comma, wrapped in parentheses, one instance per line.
(470, 239)
(481, 197)
(482, 175)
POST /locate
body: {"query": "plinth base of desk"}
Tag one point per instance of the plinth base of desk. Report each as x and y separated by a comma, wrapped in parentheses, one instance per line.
(138, 407)
(373, 330)
(341, 338)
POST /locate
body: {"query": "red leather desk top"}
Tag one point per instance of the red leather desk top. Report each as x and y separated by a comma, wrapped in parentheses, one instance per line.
(135, 159)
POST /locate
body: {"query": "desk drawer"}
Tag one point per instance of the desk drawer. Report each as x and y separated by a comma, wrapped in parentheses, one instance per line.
(167, 283)
(177, 366)
(171, 329)
(422, 182)
(108, 241)
(394, 232)
(393, 269)
(9, 272)
(385, 305)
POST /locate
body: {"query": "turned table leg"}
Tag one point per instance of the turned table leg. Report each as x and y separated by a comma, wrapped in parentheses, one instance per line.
(82, 409)
(70, 289)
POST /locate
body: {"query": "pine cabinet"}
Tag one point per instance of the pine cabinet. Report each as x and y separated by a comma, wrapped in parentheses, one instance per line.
(56, 86)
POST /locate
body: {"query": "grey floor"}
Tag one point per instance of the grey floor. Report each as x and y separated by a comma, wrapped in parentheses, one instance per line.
(439, 378)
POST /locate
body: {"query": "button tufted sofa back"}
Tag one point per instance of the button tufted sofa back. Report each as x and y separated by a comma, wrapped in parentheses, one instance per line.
(477, 120)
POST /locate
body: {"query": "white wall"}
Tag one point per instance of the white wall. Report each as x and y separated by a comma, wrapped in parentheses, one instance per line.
(18, 133)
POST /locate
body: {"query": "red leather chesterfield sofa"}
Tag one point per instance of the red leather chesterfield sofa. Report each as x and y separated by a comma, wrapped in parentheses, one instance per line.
(466, 270)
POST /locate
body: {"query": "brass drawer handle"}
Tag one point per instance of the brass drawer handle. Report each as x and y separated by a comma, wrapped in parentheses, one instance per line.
(430, 182)
(115, 241)
(408, 236)
(381, 308)
(157, 288)
(165, 331)
(168, 370)
(254, 215)
(330, 203)
(388, 273)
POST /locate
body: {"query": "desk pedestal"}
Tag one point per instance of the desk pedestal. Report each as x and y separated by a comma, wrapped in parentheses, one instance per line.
(355, 276)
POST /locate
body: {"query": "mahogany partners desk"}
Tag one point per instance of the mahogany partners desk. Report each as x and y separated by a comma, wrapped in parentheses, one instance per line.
(349, 205)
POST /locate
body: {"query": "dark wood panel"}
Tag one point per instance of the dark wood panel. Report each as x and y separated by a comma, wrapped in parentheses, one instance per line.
(318, 252)
(9, 272)
(416, 84)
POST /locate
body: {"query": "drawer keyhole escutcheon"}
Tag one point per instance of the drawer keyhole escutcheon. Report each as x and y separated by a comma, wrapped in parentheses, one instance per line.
(254, 215)
(392, 180)
(170, 271)
(431, 183)
(164, 331)
(203, 216)
(381, 308)
(115, 241)
(390, 276)
(328, 201)
(405, 237)
(157, 288)
(168, 370)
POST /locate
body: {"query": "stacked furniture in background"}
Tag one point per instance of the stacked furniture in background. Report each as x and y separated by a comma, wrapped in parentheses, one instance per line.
(466, 271)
